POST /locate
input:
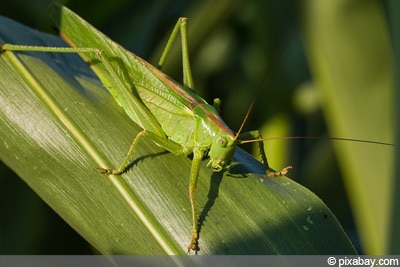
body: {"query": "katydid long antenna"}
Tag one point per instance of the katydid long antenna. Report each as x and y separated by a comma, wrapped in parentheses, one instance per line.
(274, 60)
(267, 73)
(318, 137)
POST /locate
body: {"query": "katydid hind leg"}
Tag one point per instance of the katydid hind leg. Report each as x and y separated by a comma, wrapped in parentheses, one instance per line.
(181, 26)
(32, 48)
(187, 70)
(134, 107)
(256, 135)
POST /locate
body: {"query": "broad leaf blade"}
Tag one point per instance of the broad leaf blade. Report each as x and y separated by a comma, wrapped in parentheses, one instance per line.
(54, 132)
(350, 57)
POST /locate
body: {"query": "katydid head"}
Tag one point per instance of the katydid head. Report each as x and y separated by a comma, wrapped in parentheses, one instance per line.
(214, 134)
(221, 151)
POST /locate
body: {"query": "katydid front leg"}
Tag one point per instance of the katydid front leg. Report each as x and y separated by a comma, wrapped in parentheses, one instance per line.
(194, 173)
(256, 135)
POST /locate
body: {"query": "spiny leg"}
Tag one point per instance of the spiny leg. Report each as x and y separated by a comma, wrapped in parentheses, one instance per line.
(194, 173)
(256, 135)
(125, 163)
(14, 47)
(161, 141)
(187, 72)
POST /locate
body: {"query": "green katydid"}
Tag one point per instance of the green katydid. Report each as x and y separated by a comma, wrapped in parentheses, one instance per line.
(155, 102)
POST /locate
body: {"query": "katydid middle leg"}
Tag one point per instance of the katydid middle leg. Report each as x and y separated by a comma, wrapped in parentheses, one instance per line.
(160, 141)
(255, 135)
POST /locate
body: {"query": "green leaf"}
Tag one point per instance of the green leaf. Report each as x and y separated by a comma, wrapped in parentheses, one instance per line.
(58, 122)
(394, 239)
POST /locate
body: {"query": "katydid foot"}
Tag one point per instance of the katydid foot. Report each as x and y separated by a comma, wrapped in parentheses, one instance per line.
(193, 244)
(283, 172)
(108, 171)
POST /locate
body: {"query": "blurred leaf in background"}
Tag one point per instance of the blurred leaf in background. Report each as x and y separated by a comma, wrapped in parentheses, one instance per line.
(352, 63)
(232, 46)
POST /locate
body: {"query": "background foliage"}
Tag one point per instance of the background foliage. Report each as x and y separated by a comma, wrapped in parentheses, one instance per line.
(233, 43)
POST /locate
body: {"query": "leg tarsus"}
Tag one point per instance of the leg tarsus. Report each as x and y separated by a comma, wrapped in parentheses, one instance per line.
(272, 173)
(193, 244)
(108, 171)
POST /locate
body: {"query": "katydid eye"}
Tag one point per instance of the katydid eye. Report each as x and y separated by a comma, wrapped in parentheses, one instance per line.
(222, 142)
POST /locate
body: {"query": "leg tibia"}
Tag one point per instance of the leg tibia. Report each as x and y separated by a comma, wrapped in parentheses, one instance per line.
(181, 26)
(160, 141)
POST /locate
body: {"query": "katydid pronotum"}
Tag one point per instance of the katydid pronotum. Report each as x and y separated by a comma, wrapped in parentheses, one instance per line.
(141, 89)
